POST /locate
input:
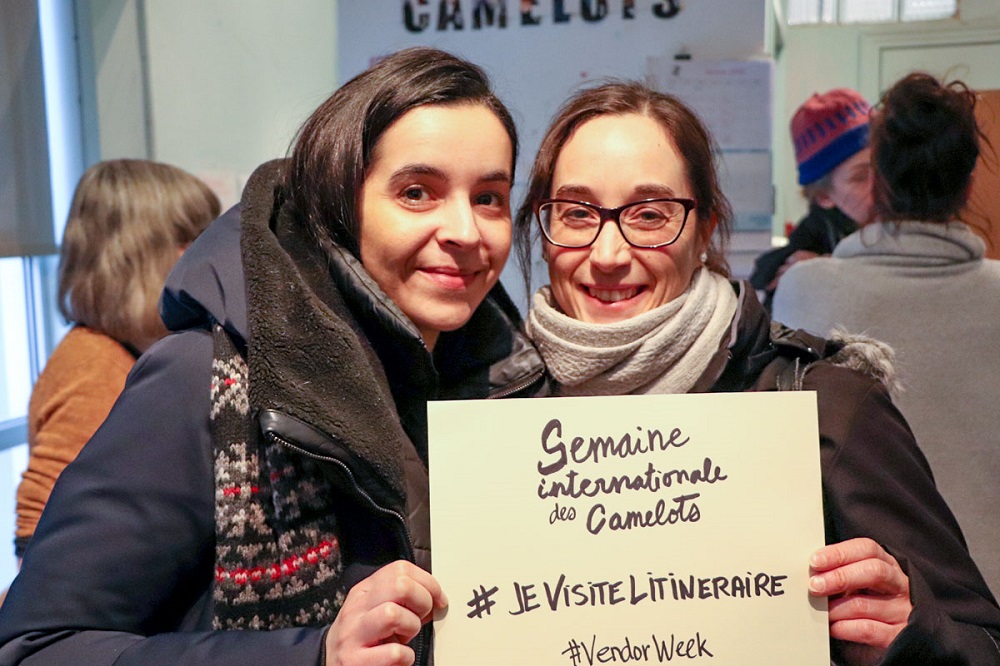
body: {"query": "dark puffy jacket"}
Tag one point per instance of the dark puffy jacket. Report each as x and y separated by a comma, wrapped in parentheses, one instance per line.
(120, 570)
(819, 231)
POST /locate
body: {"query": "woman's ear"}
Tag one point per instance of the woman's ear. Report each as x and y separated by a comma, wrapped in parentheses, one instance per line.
(708, 230)
(713, 222)
(706, 236)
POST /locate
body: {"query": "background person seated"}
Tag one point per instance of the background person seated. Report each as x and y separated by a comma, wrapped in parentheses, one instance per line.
(830, 134)
(129, 223)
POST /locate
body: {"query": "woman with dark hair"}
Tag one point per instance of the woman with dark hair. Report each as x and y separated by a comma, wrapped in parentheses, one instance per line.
(259, 494)
(128, 224)
(625, 196)
(918, 279)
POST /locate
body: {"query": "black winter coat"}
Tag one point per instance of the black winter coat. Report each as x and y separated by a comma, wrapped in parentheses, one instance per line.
(819, 231)
(120, 570)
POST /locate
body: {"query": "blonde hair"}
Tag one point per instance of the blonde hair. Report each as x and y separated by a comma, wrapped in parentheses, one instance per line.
(128, 223)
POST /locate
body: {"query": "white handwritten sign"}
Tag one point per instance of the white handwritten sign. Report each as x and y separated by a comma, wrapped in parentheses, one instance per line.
(634, 529)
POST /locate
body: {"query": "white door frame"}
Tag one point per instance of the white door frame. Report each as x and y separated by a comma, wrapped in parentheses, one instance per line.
(873, 45)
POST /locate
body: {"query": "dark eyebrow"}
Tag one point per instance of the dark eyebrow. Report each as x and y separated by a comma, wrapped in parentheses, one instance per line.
(646, 191)
(496, 177)
(410, 170)
(652, 191)
(574, 192)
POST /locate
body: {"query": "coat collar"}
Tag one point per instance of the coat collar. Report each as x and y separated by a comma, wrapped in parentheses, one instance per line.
(353, 365)
(916, 243)
(307, 355)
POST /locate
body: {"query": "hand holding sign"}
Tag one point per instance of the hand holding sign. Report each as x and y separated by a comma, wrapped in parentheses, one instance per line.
(382, 614)
(870, 595)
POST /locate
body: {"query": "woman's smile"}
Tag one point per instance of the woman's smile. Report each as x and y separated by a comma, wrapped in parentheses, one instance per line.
(451, 278)
(612, 295)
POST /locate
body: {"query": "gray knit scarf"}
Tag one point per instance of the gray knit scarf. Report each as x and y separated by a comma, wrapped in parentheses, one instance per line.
(664, 350)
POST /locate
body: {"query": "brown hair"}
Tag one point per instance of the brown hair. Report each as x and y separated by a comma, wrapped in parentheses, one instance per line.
(682, 125)
(334, 147)
(127, 222)
(925, 143)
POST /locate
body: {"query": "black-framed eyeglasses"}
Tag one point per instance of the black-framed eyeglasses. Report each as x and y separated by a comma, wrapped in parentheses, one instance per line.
(645, 224)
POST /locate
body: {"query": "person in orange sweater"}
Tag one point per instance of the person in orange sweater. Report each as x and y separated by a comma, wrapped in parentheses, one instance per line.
(129, 222)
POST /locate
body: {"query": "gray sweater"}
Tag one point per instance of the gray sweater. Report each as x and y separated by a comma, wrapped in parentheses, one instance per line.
(927, 290)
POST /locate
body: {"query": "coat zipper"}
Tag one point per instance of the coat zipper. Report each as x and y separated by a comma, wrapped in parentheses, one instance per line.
(372, 503)
(517, 387)
(361, 491)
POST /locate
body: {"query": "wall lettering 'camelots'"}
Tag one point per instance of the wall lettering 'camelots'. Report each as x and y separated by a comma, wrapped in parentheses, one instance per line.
(445, 15)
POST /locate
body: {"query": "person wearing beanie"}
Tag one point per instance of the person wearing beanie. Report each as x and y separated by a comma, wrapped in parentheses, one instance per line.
(830, 135)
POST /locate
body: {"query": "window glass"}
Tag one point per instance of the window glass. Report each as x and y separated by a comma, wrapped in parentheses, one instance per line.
(803, 12)
(15, 389)
(30, 322)
(867, 11)
(12, 462)
(922, 10)
(15, 359)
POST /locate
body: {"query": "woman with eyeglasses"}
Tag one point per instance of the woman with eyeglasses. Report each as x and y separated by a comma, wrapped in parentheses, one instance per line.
(633, 225)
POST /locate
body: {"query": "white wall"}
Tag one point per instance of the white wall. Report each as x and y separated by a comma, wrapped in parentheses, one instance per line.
(218, 87)
(112, 80)
(214, 87)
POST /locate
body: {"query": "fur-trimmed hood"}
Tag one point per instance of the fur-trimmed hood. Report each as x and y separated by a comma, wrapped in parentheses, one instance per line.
(352, 366)
(868, 356)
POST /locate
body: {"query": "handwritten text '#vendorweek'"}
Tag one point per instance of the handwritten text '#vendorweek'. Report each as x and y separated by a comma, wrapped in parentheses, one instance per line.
(658, 650)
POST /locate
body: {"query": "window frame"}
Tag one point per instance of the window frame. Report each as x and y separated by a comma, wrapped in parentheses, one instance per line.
(833, 12)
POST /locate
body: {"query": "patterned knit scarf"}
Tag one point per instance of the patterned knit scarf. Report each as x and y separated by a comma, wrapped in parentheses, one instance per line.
(664, 350)
(277, 557)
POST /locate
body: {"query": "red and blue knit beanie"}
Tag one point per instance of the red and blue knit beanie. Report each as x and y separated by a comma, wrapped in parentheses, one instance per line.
(828, 129)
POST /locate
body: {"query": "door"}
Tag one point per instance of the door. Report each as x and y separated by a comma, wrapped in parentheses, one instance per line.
(984, 202)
